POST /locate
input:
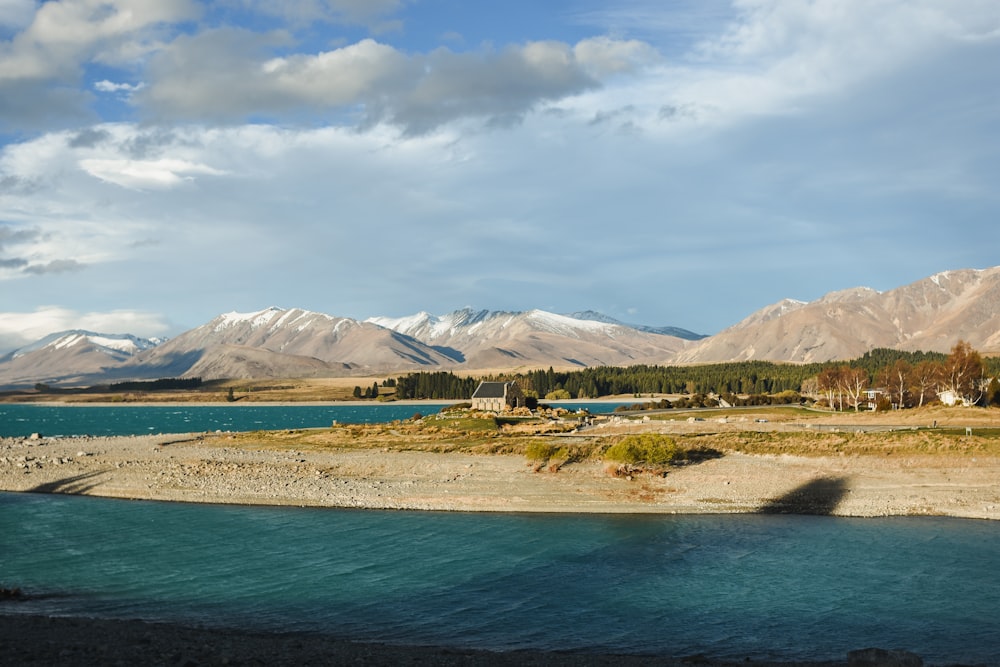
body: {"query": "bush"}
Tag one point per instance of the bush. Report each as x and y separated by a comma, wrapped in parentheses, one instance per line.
(539, 451)
(649, 449)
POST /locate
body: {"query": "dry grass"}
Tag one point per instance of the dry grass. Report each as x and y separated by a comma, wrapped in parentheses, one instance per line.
(438, 433)
(785, 432)
(888, 443)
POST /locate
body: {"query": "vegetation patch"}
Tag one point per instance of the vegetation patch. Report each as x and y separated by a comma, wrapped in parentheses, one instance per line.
(647, 452)
(547, 455)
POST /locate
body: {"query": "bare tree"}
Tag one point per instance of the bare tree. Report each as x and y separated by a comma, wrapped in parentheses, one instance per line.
(924, 379)
(963, 372)
(896, 380)
(855, 381)
(828, 382)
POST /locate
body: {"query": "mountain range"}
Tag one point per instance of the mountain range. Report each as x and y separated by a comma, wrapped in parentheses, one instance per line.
(931, 314)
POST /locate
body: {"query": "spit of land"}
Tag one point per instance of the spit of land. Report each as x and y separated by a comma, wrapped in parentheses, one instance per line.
(932, 461)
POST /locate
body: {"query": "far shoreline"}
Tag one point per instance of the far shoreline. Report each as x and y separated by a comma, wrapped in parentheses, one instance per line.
(291, 402)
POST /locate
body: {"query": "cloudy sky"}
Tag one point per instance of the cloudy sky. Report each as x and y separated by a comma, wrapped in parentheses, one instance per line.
(665, 162)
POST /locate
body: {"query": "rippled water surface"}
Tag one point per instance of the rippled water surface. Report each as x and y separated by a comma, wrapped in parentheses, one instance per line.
(779, 587)
(77, 420)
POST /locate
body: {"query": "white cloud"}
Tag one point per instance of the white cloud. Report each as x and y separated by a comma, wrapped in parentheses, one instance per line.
(16, 13)
(42, 65)
(106, 86)
(799, 140)
(143, 174)
(604, 56)
(66, 33)
(375, 82)
(780, 51)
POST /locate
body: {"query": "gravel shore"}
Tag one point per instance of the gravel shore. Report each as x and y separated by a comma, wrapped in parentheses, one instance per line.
(190, 468)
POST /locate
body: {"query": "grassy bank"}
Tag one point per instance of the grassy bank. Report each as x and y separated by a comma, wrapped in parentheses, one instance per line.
(560, 440)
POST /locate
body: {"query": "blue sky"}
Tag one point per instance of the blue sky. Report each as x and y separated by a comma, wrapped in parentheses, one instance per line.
(666, 163)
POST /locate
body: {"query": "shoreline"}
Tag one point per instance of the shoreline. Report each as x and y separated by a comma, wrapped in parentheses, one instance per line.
(216, 468)
(97, 642)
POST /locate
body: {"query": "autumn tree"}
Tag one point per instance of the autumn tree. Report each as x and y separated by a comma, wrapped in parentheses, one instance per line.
(810, 387)
(963, 373)
(896, 380)
(924, 380)
(826, 384)
(992, 397)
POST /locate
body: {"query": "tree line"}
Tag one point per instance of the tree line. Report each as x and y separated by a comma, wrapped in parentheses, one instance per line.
(898, 382)
(906, 379)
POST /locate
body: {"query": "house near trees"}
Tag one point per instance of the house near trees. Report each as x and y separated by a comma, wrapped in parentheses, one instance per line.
(872, 397)
(951, 398)
(497, 396)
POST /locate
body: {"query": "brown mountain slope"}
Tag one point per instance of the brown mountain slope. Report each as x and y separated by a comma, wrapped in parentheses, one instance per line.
(492, 339)
(931, 314)
(286, 343)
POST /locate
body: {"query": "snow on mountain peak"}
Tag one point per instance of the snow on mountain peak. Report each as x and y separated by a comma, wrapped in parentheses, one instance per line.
(565, 325)
(256, 319)
(123, 343)
(405, 325)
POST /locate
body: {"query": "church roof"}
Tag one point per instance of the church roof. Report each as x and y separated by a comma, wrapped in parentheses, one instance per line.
(491, 390)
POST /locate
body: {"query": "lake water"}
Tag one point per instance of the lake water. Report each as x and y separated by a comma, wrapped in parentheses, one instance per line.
(765, 587)
(758, 586)
(21, 420)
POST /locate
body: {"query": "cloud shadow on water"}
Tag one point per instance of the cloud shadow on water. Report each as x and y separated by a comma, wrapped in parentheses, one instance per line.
(819, 496)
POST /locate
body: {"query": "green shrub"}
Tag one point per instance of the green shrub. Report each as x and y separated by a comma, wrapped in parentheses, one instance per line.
(539, 451)
(648, 449)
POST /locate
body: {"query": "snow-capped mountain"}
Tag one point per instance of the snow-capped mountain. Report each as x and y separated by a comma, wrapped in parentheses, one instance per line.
(501, 339)
(666, 331)
(276, 342)
(71, 354)
(931, 314)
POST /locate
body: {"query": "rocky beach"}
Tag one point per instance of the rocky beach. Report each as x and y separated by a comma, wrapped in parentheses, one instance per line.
(216, 468)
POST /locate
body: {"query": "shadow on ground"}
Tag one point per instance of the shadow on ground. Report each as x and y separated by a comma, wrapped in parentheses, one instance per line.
(71, 485)
(819, 496)
(702, 454)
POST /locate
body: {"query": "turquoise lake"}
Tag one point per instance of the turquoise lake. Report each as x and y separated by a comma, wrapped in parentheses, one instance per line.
(758, 586)
(767, 587)
(21, 420)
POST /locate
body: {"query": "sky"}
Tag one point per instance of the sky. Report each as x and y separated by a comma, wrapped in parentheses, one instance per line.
(666, 163)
